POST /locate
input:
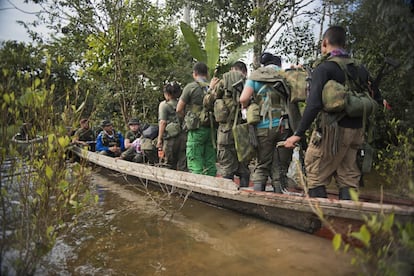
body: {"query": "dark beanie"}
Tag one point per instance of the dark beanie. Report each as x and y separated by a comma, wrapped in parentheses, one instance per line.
(268, 58)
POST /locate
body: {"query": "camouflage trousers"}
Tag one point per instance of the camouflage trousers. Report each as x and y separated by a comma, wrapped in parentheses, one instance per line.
(174, 152)
(322, 167)
(271, 161)
(132, 155)
(227, 155)
(201, 155)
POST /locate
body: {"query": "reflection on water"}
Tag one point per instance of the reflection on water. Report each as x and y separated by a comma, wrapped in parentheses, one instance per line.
(129, 234)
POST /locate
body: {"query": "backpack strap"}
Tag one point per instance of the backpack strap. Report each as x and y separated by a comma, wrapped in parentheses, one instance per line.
(204, 86)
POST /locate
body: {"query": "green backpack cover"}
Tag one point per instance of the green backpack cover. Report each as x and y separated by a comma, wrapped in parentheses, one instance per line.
(351, 98)
(294, 82)
(227, 96)
(297, 82)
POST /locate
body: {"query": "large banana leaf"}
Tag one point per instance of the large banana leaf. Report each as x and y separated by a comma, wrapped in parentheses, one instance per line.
(196, 49)
(212, 46)
(238, 53)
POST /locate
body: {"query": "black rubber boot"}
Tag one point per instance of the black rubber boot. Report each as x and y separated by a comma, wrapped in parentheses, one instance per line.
(344, 193)
(319, 191)
(244, 181)
(258, 187)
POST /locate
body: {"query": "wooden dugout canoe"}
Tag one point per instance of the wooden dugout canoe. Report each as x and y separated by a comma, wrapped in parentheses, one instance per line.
(296, 212)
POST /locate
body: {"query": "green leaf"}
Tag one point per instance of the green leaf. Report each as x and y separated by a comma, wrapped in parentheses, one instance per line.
(363, 235)
(388, 223)
(337, 241)
(193, 42)
(49, 231)
(239, 53)
(354, 194)
(63, 141)
(6, 98)
(49, 172)
(37, 82)
(212, 46)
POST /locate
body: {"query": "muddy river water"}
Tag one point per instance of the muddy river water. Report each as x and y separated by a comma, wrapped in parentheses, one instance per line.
(131, 233)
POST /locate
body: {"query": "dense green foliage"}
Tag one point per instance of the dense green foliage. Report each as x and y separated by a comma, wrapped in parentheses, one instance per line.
(260, 22)
(40, 195)
(384, 247)
(381, 29)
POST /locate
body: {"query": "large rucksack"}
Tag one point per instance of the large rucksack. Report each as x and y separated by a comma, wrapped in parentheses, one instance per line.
(199, 115)
(291, 85)
(293, 82)
(227, 94)
(353, 98)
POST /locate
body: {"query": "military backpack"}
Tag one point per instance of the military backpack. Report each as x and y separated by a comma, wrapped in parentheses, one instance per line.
(227, 94)
(352, 98)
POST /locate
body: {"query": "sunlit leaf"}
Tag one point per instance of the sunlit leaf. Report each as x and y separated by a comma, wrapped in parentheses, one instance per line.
(354, 194)
(212, 46)
(363, 235)
(193, 42)
(49, 172)
(37, 82)
(63, 141)
(239, 53)
(337, 241)
(388, 223)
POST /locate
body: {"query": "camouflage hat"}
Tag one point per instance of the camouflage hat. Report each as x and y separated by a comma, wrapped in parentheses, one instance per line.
(133, 121)
(105, 123)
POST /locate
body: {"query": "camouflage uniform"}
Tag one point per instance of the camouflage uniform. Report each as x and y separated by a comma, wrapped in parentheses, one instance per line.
(173, 147)
(201, 155)
(226, 151)
(131, 154)
(272, 162)
(86, 135)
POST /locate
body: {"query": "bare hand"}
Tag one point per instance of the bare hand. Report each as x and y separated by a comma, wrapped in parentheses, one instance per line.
(214, 82)
(292, 141)
(159, 144)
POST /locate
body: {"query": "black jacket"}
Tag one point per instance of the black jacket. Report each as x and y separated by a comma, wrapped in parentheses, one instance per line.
(330, 70)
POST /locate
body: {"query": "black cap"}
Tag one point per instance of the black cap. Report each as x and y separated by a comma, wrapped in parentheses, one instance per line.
(105, 123)
(268, 58)
(133, 121)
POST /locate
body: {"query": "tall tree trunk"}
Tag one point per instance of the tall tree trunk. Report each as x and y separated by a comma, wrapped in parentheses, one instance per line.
(119, 84)
(258, 35)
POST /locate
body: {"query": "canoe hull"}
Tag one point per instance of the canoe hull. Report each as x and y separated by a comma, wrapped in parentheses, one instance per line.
(288, 210)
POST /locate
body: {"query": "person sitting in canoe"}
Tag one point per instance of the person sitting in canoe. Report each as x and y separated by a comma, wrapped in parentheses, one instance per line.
(84, 135)
(132, 143)
(109, 142)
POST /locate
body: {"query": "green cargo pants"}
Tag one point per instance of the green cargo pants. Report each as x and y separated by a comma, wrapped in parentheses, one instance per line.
(174, 149)
(201, 155)
(271, 161)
